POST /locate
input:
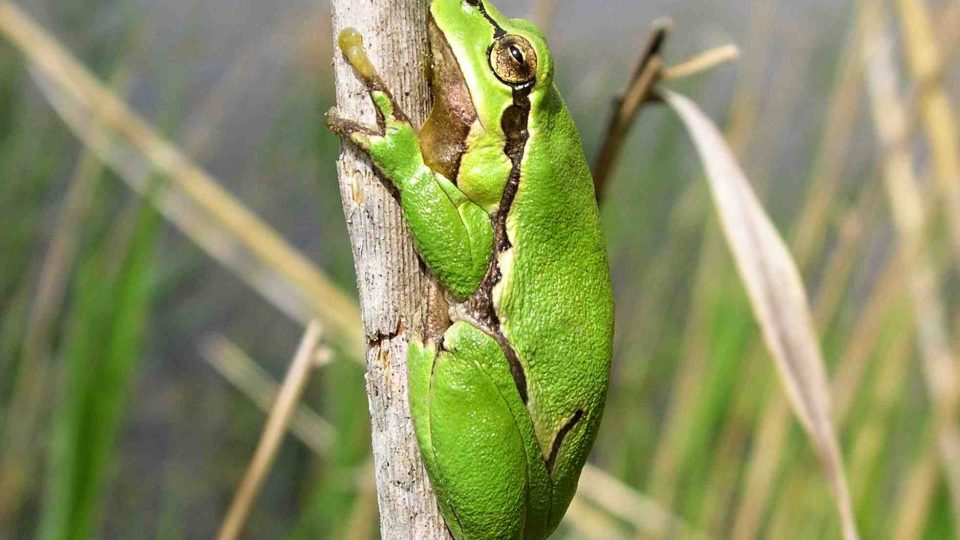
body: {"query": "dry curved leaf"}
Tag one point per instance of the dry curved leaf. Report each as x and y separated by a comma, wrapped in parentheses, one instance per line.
(776, 294)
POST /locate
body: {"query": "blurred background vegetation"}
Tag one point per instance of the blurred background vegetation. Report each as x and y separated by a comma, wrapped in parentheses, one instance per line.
(129, 385)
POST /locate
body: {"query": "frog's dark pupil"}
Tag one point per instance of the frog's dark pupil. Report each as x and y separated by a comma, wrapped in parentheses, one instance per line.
(516, 54)
(473, 2)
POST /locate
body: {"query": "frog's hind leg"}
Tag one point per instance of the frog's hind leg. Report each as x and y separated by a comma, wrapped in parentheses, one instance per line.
(421, 358)
(477, 438)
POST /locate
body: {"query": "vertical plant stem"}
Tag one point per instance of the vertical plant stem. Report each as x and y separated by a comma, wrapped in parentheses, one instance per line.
(397, 299)
(939, 122)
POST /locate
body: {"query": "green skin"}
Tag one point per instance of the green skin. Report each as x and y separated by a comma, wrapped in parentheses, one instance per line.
(498, 196)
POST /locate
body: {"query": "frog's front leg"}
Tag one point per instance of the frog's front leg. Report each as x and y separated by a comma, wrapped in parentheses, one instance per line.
(453, 235)
(477, 438)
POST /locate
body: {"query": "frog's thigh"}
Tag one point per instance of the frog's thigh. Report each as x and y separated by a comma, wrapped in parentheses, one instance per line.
(478, 448)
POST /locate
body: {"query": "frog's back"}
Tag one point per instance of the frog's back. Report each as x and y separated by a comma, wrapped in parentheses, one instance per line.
(556, 302)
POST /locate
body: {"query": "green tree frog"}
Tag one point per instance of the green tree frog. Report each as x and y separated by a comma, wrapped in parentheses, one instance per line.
(500, 202)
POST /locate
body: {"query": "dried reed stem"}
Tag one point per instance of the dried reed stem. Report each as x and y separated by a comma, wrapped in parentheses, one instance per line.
(939, 120)
(302, 366)
(251, 380)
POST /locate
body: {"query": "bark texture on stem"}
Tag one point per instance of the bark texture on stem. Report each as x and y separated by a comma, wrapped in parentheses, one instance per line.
(397, 298)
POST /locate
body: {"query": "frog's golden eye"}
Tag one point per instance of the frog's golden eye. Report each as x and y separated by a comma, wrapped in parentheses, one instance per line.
(513, 60)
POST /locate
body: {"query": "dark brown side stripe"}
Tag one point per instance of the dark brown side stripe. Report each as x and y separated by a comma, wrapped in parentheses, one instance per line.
(561, 435)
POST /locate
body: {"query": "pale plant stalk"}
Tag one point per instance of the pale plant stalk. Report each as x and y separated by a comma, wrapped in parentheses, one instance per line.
(701, 63)
(303, 365)
(811, 230)
(249, 378)
(752, 72)
(761, 468)
(220, 243)
(948, 33)
(937, 113)
(316, 433)
(398, 299)
(908, 208)
(599, 488)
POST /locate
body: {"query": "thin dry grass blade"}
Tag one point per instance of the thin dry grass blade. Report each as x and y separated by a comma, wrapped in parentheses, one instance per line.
(909, 213)
(776, 293)
(101, 111)
(702, 62)
(248, 377)
(282, 411)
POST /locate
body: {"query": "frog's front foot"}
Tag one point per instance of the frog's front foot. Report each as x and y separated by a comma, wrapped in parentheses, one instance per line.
(389, 114)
